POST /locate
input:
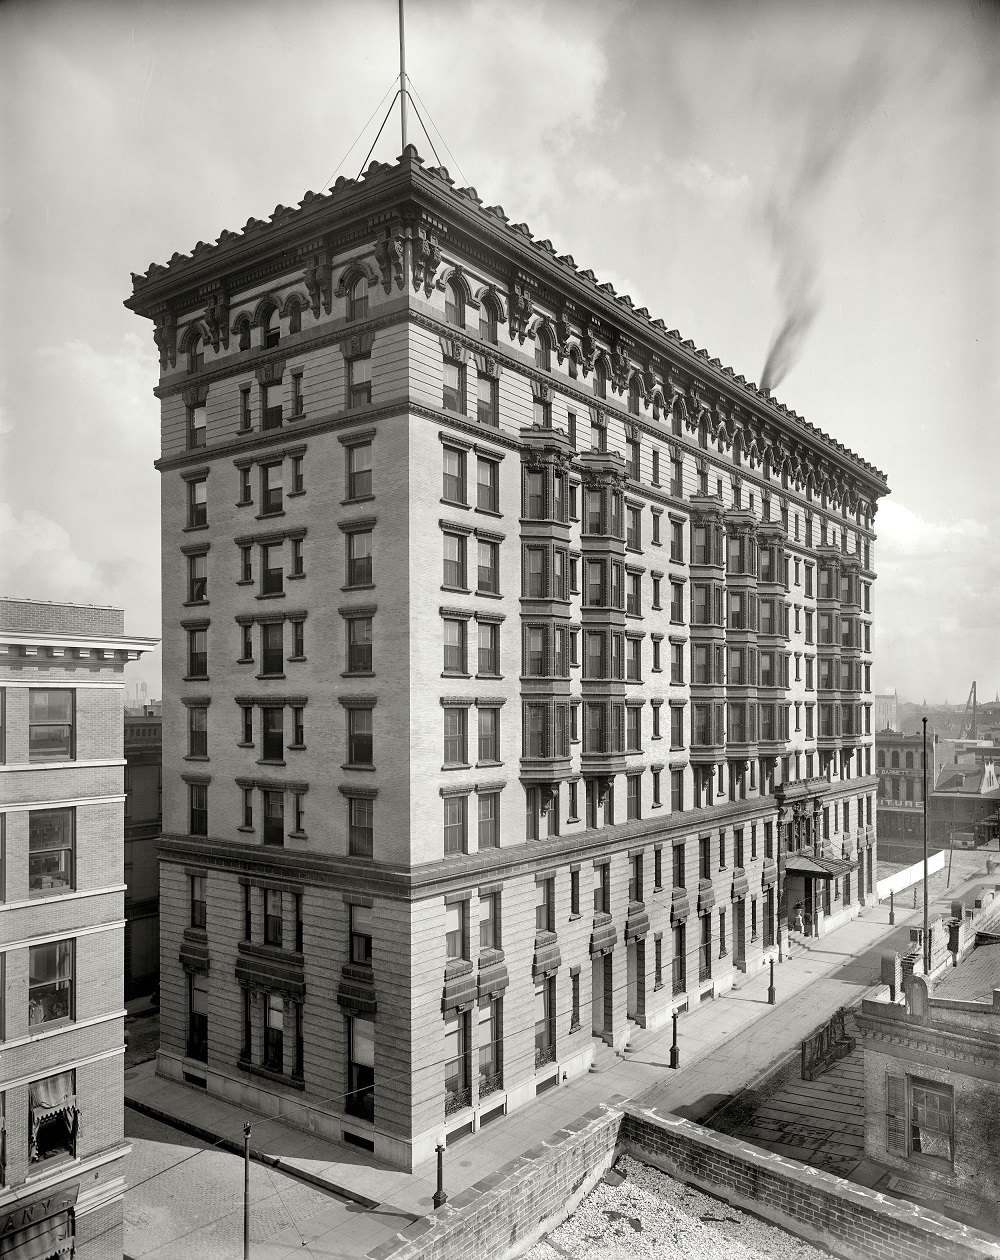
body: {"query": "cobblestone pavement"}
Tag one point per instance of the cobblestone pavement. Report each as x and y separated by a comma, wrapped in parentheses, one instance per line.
(194, 1209)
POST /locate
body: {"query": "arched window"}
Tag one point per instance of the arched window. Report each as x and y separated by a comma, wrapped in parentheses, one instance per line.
(488, 321)
(909, 761)
(196, 355)
(895, 760)
(601, 380)
(454, 305)
(272, 329)
(543, 349)
(633, 397)
(880, 759)
(357, 299)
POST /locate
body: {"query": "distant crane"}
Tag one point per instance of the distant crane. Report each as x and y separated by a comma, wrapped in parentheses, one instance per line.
(970, 730)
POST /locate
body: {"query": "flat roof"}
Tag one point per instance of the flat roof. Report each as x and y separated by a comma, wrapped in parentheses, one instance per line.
(974, 979)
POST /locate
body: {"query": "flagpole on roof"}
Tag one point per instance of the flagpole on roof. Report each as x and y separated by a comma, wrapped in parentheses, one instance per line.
(402, 75)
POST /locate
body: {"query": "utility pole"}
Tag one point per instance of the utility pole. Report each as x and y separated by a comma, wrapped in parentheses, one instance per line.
(927, 937)
(246, 1192)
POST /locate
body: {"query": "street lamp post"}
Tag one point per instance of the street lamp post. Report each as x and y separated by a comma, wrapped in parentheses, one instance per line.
(675, 1054)
(771, 994)
(440, 1197)
(246, 1192)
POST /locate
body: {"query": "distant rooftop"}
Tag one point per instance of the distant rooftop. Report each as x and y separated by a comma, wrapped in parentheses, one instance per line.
(974, 979)
(40, 616)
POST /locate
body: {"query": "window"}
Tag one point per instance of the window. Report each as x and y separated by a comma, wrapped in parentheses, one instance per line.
(453, 388)
(357, 299)
(359, 558)
(272, 574)
(487, 485)
(633, 528)
(360, 828)
(270, 489)
(196, 427)
(271, 397)
(454, 305)
(488, 322)
(534, 651)
(274, 1033)
(454, 561)
(50, 983)
(455, 824)
(488, 572)
(272, 648)
(197, 592)
(274, 817)
(359, 737)
(633, 732)
(197, 503)
(454, 646)
(705, 948)
(298, 563)
(489, 820)
(361, 935)
(198, 801)
(633, 599)
(51, 848)
(489, 734)
(360, 1099)
(920, 1118)
(676, 662)
(677, 541)
(454, 475)
(455, 739)
(534, 572)
(197, 731)
(359, 381)
(600, 381)
(359, 645)
(534, 494)
(634, 797)
(456, 1067)
(487, 400)
(602, 889)
(247, 823)
(489, 649)
(359, 471)
(545, 905)
(543, 349)
(273, 733)
(52, 1117)
(197, 887)
(51, 724)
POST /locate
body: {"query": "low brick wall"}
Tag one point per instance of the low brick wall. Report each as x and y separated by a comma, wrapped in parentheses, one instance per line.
(849, 1220)
(507, 1212)
(503, 1215)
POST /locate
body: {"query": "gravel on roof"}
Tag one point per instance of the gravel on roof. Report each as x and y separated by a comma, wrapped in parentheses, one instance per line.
(649, 1216)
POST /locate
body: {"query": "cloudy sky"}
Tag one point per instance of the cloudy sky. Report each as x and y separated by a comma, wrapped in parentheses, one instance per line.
(728, 165)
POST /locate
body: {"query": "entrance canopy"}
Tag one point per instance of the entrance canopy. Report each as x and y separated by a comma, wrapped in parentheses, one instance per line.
(818, 867)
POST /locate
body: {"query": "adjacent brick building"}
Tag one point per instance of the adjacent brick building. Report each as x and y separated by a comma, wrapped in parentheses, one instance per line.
(61, 927)
(143, 772)
(510, 644)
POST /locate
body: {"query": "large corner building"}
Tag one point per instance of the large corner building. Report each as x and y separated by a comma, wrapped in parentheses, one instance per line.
(62, 1022)
(516, 665)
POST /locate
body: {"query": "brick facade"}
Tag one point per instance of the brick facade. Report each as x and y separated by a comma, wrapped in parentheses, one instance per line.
(61, 920)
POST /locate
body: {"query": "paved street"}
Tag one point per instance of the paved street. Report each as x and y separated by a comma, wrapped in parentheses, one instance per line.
(185, 1201)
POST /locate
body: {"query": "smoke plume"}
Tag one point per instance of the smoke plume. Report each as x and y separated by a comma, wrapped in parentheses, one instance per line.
(832, 116)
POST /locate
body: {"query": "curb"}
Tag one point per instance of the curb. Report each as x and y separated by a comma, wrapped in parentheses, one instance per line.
(260, 1157)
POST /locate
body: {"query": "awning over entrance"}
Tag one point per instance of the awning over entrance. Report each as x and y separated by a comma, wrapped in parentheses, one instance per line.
(818, 867)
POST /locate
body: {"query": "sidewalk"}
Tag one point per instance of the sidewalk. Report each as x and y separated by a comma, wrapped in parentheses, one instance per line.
(724, 1044)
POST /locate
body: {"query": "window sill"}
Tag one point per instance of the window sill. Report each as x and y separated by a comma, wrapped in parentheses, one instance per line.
(295, 577)
(256, 1069)
(271, 595)
(194, 529)
(457, 765)
(573, 917)
(457, 590)
(350, 765)
(251, 831)
(195, 603)
(244, 744)
(197, 757)
(482, 594)
(295, 494)
(490, 677)
(271, 761)
(490, 512)
(492, 764)
(269, 516)
(296, 747)
(454, 673)
(298, 835)
(245, 582)
(455, 503)
(657, 805)
(195, 678)
(295, 660)
(359, 498)
(244, 660)
(349, 673)
(367, 586)
(265, 677)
